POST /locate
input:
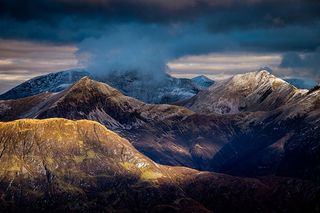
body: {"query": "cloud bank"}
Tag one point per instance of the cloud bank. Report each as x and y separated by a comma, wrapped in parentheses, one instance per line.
(302, 62)
(146, 35)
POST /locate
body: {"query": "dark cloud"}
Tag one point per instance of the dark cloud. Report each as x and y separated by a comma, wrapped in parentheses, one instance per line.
(147, 34)
(138, 10)
(299, 63)
(289, 38)
(157, 10)
(203, 26)
(149, 47)
(74, 20)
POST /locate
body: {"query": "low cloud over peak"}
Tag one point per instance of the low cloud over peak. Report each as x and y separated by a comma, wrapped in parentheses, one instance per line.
(149, 34)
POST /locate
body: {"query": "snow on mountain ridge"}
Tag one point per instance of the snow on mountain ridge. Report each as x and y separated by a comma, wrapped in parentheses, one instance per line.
(52, 82)
(254, 91)
(168, 90)
(202, 81)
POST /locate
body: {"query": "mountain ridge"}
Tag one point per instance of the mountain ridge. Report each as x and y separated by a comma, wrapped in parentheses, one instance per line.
(168, 89)
(254, 91)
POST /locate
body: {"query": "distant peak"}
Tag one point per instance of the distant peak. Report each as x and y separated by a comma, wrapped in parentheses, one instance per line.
(85, 78)
(255, 74)
(202, 81)
(268, 69)
(201, 77)
(84, 81)
(264, 72)
(88, 87)
(257, 78)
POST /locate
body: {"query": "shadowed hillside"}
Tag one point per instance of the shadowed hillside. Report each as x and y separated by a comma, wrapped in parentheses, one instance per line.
(264, 139)
(59, 164)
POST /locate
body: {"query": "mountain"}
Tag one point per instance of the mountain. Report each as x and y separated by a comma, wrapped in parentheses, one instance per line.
(13, 109)
(63, 165)
(168, 134)
(141, 123)
(53, 82)
(166, 89)
(162, 89)
(79, 165)
(255, 91)
(202, 81)
(277, 129)
(249, 143)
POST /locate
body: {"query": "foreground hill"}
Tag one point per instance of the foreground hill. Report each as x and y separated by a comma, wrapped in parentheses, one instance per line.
(279, 140)
(78, 165)
(60, 165)
(166, 89)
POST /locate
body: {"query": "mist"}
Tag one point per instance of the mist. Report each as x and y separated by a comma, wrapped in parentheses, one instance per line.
(127, 48)
(145, 49)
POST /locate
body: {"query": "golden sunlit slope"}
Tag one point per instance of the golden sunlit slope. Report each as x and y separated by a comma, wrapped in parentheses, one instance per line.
(60, 164)
(35, 147)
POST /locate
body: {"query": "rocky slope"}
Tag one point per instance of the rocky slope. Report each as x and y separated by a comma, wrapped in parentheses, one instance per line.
(278, 126)
(290, 137)
(255, 91)
(63, 165)
(166, 89)
(14, 109)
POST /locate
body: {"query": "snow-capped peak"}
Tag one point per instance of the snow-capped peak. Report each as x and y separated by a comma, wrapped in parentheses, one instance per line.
(168, 90)
(202, 81)
(254, 91)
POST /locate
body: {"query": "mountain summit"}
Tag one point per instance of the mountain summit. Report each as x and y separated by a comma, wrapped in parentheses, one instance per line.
(254, 91)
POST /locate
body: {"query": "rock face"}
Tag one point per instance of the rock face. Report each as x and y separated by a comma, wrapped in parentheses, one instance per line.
(167, 89)
(63, 165)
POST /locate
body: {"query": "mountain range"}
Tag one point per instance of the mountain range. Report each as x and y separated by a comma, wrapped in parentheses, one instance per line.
(167, 89)
(260, 131)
